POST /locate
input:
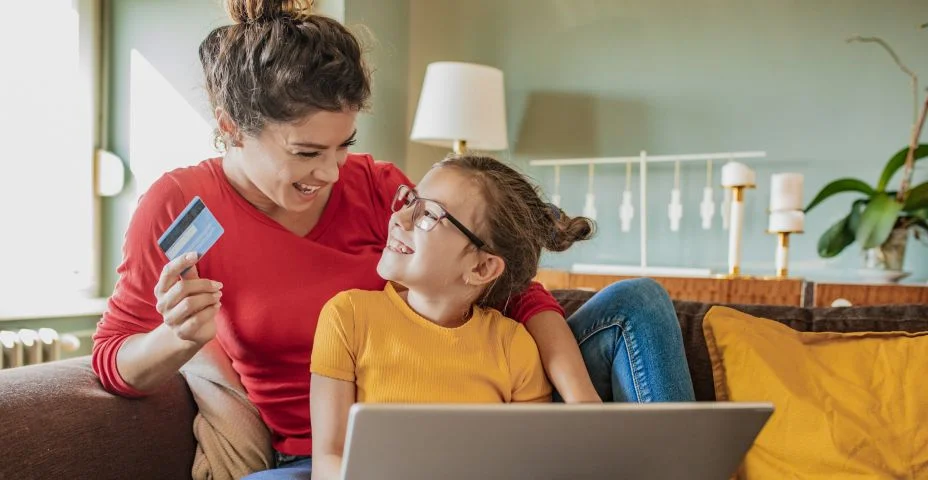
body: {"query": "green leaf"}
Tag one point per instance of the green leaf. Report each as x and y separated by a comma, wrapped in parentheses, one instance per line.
(853, 219)
(877, 221)
(921, 213)
(897, 162)
(835, 239)
(917, 198)
(839, 186)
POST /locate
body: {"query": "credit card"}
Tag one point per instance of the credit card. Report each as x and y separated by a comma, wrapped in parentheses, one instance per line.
(194, 230)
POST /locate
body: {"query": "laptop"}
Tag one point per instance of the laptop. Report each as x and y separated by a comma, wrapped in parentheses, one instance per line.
(699, 440)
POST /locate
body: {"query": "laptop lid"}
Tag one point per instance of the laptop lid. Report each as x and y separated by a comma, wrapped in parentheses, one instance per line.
(550, 441)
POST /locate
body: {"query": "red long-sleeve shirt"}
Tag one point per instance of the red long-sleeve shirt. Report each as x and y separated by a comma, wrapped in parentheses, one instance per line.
(274, 282)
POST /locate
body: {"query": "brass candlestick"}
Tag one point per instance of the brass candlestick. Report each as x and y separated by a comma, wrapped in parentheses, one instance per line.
(736, 229)
(784, 223)
(783, 254)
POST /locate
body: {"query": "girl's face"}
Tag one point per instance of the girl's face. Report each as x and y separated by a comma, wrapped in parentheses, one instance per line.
(425, 251)
(293, 164)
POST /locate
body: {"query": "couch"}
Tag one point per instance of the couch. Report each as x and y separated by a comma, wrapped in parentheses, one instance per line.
(57, 422)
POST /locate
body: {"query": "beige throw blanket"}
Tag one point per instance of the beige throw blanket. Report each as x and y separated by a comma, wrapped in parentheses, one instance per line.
(232, 440)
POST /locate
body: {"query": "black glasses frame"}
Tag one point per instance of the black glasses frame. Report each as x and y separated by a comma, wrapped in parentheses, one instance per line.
(403, 194)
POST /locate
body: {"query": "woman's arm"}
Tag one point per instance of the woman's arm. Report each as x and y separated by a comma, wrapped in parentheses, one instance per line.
(332, 400)
(561, 357)
(543, 316)
(145, 337)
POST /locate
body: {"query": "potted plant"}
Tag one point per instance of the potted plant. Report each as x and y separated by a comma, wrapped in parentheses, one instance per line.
(880, 219)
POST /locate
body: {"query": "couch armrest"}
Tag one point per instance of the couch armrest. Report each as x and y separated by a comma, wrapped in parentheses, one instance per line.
(56, 421)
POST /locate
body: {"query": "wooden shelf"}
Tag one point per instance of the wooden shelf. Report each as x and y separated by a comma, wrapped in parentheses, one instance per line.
(768, 291)
(863, 294)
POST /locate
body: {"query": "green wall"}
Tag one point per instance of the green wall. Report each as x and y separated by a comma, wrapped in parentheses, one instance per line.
(385, 34)
(611, 78)
(606, 78)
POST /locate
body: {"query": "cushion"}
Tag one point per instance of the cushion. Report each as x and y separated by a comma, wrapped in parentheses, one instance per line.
(853, 403)
(886, 318)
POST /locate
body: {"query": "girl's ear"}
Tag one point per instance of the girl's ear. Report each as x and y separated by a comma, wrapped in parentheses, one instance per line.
(488, 268)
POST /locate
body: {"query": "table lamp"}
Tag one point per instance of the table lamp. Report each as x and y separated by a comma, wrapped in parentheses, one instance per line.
(462, 106)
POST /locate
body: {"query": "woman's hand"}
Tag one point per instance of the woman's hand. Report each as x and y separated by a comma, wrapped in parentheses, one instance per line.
(187, 303)
(561, 358)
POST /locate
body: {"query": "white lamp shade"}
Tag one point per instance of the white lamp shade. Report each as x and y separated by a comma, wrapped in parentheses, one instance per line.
(461, 101)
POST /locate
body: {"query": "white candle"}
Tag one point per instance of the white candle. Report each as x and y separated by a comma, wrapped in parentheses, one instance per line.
(735, 174)
(791, 221)
(786, 191)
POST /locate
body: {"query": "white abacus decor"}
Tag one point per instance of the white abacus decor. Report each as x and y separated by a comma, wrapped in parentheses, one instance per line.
(736, 177)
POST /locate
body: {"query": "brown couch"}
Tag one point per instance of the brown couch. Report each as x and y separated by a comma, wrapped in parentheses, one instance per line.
(57, 422)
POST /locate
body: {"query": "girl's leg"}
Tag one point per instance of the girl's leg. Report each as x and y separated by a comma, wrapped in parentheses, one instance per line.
(631, 342)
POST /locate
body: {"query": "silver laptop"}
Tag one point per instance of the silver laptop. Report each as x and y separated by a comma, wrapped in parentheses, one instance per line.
(699, 440)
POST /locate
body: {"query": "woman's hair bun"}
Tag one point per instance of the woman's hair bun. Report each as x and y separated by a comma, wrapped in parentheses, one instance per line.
(251, 11)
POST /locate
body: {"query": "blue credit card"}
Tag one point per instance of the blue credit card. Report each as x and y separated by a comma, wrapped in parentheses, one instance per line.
(194, 230)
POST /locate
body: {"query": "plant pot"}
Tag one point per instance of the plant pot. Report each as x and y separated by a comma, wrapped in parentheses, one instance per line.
(891, 254)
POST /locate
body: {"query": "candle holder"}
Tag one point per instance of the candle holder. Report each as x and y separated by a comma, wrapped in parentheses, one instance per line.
(736, 229)
(786, 215)
(782, 254)
(783, 224)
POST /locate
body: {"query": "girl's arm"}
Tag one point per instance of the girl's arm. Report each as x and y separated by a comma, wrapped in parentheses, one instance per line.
(561, 357)
(332, 400)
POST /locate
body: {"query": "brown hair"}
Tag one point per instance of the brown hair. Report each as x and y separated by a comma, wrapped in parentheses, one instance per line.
(278, 62)
(517, 223)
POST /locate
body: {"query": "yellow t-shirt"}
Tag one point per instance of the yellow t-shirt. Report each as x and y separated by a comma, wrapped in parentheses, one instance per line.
(394, 355)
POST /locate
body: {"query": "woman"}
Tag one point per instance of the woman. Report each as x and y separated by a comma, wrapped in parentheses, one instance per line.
(304, 220)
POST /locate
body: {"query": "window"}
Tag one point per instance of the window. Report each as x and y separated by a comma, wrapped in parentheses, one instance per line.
(49, 90)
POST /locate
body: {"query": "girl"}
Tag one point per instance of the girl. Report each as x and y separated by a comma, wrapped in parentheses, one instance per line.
(465, 240)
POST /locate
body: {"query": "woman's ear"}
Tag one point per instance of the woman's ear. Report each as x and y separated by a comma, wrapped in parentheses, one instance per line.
(228, 128)
(488, 268)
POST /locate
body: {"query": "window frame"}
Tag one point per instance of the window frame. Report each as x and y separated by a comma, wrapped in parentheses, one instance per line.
(87, 299)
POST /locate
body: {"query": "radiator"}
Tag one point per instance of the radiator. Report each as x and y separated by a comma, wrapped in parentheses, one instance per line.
(29, 347)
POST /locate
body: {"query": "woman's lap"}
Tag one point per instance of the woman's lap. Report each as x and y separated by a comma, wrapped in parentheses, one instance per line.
(298, 469)
(630, 339)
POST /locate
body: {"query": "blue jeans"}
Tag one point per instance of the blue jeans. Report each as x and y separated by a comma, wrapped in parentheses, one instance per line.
(288, 467)
(631, 343)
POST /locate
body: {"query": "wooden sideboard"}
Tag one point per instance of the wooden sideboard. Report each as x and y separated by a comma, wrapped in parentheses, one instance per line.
(824, 294)
(751, 290)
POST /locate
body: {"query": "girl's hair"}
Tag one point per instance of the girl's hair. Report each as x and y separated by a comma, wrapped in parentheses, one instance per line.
(517, 223)
(278, 63)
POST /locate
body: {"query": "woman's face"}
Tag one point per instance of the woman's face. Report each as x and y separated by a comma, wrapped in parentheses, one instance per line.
(434, 260)
(293, 164)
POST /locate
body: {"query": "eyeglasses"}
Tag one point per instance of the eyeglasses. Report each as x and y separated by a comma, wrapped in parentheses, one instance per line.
(427, 213)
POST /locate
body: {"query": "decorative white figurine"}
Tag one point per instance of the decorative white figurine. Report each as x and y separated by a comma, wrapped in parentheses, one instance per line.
(556, 198)
(589, 209)
(626, 211)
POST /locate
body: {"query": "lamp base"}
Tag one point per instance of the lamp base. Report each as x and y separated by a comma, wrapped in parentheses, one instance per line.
(459, 147)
